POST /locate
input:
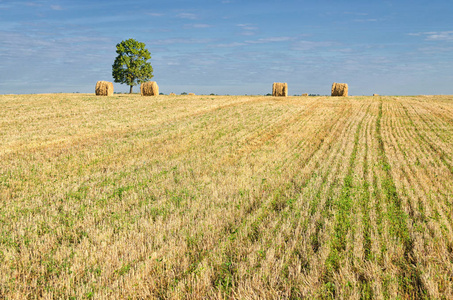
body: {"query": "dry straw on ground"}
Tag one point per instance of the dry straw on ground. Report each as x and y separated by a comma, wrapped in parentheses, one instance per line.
(280, 89)
(340, 89)
(149, 88)
(104, 88)
(226, 197)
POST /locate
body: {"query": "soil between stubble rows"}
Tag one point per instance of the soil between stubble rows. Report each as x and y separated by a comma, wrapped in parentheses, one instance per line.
(226, 197)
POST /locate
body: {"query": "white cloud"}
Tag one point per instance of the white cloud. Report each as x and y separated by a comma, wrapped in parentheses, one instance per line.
(440, 36)
(295, 43)
(435, 35)
(365, 20)
(229, 45)
(155, 14)
(435, 50)
(247, 26)
(355, 13)
(248, 33)
(271, 40)
(198, 26)
(247, 29)
(188, 16)
(56, 7)
(181, 41)
(309, 45)
(33, 4)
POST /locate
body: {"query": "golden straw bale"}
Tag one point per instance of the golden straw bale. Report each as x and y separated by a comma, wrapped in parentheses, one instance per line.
(149, 88)
(340, 89)
(375, 94)
(305, 95)
(280, 89)
(191, 94)
(104, 88)
(172, 94)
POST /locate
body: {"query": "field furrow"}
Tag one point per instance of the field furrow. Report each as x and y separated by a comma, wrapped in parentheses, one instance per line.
(429, 225)
(226, 197)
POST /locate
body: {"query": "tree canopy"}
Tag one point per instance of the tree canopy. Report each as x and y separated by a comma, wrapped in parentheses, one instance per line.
(131, 66)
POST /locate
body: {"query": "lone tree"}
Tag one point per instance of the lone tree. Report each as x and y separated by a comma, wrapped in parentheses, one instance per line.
(131, 66)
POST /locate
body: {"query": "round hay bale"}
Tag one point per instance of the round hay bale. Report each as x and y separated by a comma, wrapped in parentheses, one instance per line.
(280, 89)
(375, 94)
(340, 89)
(104, 88)
(149, 88)
(304, 95)
(191, 94)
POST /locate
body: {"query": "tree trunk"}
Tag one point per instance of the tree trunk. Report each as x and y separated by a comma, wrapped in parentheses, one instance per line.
(130, 91)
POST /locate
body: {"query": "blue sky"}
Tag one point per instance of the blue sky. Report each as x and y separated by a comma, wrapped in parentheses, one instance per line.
(231, 46)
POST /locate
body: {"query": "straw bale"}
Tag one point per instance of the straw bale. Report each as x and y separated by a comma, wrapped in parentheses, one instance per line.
(280, 89)
(375, 94)
(305, 95)
(340, 89)
(104, 88)
(149, 88)
(191, 94)
(172, 94)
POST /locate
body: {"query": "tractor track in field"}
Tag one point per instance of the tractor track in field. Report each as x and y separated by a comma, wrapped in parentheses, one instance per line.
(233, 197)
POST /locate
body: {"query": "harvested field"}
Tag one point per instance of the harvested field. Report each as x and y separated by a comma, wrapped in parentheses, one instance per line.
(226, 197)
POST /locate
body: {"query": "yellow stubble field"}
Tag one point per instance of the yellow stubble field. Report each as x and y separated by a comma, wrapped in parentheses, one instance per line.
(226, 197)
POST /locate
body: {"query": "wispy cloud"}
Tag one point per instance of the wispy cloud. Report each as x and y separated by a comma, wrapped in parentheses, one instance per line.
(228, 45)
(355, 13)
(182, 41)
(247, 26)
(56, 7)
(295, 43)
(40, 44)
(277, 39)
(365, 20)
(155, 14)
(189, 16)
(435, 50)
(435, 35)
(42, 60)
(309, 45)
(248, 33)
(247, 29)
(198, 26)
(33, 4)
